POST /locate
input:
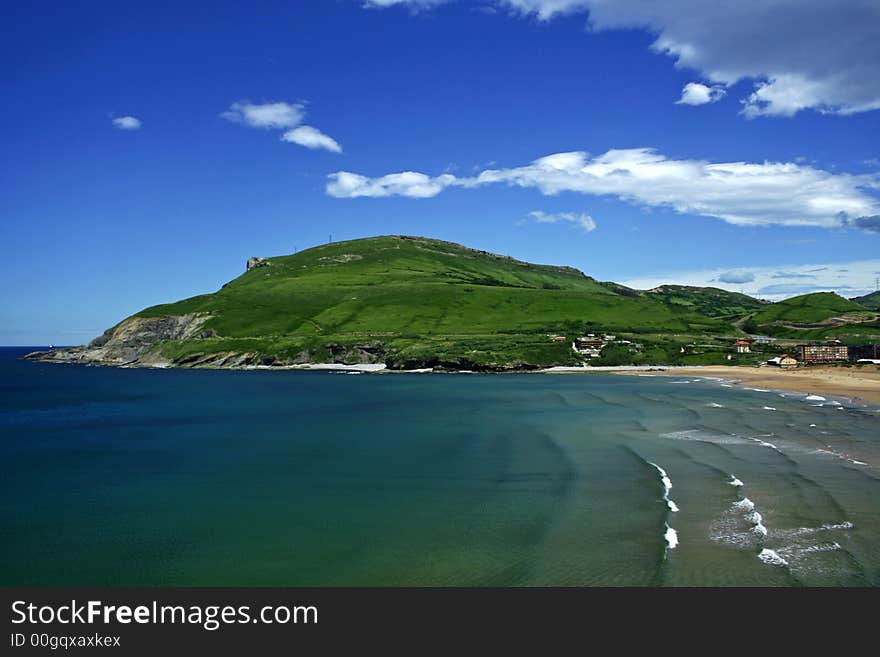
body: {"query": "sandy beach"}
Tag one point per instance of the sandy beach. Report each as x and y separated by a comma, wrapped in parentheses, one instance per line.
(861, 384)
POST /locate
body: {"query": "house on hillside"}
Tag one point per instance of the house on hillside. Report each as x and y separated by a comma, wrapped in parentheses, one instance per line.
(742, 347)
(831, 352)
(589, 346)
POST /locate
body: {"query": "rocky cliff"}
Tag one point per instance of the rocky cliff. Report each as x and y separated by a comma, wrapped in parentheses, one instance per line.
(132, 341)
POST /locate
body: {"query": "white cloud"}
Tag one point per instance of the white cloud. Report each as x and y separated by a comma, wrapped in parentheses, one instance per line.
(414, 4)
(310, 137)
(849, 279)
(695, 93)
(267, 115)
(740, 193)
(344, 184)
(582, 221)
(736, 277)
(805, 54)
(799, 54)
(279, 116)
(127, 123)
(545, 9)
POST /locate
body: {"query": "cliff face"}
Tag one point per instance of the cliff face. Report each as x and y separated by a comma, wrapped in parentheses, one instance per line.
(130, 342)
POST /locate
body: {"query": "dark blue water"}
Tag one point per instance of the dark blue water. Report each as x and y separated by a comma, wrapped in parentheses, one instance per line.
(134, 476)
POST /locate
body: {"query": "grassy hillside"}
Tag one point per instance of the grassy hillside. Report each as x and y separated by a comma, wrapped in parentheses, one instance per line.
(815, 316)
(810, 309)
(414, 298)
(709, 301)
(870, 301)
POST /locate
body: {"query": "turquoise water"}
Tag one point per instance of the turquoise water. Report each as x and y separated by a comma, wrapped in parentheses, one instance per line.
(130, 477)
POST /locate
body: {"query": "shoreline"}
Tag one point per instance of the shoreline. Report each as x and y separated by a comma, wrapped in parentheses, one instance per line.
(861, 384)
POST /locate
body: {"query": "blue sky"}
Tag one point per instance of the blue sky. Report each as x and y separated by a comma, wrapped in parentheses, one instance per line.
(150, 149)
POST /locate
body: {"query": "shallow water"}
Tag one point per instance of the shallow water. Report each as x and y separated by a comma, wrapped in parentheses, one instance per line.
(115, 476)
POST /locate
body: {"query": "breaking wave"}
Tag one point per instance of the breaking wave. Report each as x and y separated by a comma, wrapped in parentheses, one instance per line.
(667, 486)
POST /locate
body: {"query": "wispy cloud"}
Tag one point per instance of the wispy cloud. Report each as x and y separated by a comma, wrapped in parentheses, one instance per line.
(310, 137)
(775, 282)
(739, 193)
(411, 4)
(127, 123)
(281, 116)
(583, 221)
(790, 275)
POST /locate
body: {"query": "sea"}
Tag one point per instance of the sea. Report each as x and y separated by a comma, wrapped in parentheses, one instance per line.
(131, 477)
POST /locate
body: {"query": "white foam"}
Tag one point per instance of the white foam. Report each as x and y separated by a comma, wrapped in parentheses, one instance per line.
(714, 405)
(828, 547)
(757, 520)
(671, 537)
(812, 425)
(769, 408)
(745, 503)
(814, 398)
(763, 443)
(853, 461)
(704, 437)
(758, 389)
(667, 486)
(734, 481)
(771, 557)
(823, 528)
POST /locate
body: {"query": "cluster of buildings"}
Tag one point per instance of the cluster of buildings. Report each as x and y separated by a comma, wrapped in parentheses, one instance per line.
(830, 351)
(590, 345)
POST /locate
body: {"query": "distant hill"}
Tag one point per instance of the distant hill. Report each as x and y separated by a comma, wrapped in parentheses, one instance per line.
(871, 301)
(709, 301)
(411, 302)
(822, 313)
(396, 299)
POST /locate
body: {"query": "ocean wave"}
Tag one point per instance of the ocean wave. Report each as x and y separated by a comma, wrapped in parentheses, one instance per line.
(827, 527)
(715, 405)
(699, 435)
(814, 398)
(671, 537)
(843, 457)
(667, 486)
(742, 525)
(769, 556)
(764, 443)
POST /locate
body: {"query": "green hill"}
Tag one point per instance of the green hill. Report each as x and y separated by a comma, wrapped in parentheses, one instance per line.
(870, 301)
(819, 314)
(404, 301)
(709, 301)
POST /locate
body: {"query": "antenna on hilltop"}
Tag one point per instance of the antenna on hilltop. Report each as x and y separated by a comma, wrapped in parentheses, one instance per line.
(330, 238)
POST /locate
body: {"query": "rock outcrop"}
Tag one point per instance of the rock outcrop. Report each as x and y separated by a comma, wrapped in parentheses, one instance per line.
(255, 262)
(132, 341)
